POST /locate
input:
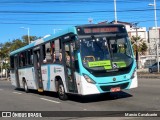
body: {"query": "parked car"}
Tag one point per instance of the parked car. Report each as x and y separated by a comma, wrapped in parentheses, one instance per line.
(154, 67)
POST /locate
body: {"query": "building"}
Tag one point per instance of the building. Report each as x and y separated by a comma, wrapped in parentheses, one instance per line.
(153, 39)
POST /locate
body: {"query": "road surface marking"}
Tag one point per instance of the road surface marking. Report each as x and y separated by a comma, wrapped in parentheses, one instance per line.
(49, 100)
(17, 93)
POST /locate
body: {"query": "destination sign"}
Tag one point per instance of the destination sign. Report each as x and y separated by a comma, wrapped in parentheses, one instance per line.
(101, 30)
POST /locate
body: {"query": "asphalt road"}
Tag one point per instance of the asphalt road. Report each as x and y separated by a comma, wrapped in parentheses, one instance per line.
(144, 98)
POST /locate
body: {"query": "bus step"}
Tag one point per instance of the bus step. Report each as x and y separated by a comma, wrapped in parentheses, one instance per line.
(40, 90)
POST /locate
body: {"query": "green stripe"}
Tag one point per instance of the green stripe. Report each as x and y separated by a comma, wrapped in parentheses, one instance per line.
(99, 63)
(120, 64)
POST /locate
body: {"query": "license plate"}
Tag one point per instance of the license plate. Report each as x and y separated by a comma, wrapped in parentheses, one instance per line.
(116, 89)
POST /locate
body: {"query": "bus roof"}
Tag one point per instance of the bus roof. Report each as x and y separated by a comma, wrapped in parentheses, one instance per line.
(99, 25)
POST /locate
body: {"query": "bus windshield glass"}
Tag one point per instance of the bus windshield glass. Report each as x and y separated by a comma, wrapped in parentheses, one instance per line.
(106, 53)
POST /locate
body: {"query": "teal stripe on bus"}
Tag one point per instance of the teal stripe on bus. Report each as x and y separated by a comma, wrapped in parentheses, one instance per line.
(49, 76)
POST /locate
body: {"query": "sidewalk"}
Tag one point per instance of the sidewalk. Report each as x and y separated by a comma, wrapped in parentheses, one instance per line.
(145, 70)
(143, 73)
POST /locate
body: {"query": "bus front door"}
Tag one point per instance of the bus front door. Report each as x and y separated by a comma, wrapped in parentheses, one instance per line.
(37, 70)
(16, 71)
(69, 58)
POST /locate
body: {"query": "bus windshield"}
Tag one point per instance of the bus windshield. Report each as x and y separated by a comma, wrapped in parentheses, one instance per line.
(106, 53)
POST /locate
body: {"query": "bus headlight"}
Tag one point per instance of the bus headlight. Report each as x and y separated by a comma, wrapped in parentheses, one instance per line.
(134, 73)
(88, 79)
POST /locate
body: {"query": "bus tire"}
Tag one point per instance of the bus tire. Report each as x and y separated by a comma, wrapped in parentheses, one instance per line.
(25, 87)
(61, 91)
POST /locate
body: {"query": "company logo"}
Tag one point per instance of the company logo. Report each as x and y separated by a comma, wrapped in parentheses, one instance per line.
(114, 79)
(56, 70)
(115, 65)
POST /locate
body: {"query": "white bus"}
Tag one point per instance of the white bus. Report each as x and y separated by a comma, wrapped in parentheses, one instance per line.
(84, 60)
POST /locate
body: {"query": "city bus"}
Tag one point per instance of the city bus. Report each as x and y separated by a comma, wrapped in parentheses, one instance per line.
(83, 60)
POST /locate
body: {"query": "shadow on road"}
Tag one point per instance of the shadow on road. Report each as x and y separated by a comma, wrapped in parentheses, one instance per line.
(99, 97)
(45, 93)
(85, 99)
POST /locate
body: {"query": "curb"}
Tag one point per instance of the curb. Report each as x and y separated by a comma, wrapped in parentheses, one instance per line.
(4, 79)
(147, 76)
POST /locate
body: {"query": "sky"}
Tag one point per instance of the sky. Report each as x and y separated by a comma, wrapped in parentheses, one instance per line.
(44, 17)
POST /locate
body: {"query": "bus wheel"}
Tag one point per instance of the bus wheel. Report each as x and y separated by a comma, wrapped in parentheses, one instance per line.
(61, 92)
(26, 87)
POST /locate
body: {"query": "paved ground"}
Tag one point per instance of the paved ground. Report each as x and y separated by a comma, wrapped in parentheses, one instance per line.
(144, 98)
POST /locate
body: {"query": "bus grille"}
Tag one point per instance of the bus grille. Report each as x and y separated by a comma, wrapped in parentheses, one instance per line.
(108, 88)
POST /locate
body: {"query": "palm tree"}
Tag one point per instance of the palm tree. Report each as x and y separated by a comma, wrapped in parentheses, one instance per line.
(139, 46)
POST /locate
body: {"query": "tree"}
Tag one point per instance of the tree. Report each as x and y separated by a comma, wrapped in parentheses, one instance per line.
(17, 44)
(143, 48)
(139, 45)
(8, 47)
(25, 38)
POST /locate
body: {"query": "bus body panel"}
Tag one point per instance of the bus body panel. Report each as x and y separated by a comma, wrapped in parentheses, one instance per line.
(124, 81)
(78, 82)
(45, 70)
(88, 88)
(29, 76)
(134, 82)
(13, 78)
(49, 73)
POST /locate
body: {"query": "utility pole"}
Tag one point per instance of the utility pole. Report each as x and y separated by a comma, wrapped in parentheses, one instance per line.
(137, 55)
(157, 40)
(115, 11)
(27, 33)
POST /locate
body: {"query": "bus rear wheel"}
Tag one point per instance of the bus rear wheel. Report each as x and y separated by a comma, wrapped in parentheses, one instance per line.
(61, 91)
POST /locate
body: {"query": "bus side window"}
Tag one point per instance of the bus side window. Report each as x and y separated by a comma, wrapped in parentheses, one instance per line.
(47, 53)
(53, 51)
(20, 60)
(30, 57)
(25, 59)
(12, 62)
(58, 51)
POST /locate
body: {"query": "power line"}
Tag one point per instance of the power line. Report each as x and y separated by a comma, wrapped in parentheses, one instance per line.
(75, 12)
(62, 23)
(68, 1)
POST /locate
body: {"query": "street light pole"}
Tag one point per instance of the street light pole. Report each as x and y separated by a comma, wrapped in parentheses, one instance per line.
(115, 11)
(136, 42)
(28, 34)
(157, 41)
(137, 56)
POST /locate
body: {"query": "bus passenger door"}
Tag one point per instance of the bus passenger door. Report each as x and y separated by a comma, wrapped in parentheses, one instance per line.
(16, 71)
(37, 70)
(69, 58)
